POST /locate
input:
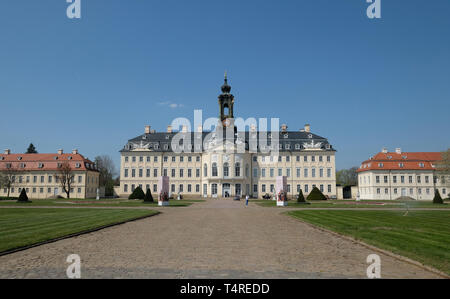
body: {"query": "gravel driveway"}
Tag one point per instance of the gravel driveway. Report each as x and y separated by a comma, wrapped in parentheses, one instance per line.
(212, 239)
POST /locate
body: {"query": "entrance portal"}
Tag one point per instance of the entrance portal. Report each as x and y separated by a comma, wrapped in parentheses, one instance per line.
(226, 190)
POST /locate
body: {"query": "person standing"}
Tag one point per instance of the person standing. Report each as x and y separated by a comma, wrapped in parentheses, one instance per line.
(246, 200)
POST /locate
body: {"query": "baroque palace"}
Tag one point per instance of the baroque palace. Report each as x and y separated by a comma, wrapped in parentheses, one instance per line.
(218, 169)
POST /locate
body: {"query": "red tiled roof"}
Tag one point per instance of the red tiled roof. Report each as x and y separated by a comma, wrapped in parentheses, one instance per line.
(403, 161)
(49, 161)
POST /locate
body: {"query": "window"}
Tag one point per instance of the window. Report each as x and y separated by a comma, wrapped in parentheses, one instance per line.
(305, 158)
(226, 169)
(133, 173)
(173, 173)
(165, 159)
(313, 158)
(148, 172)
(288, 158)
(288, 172)
(385, 179)
(305, 173)
(148, 159)
(402, 179)
(272, 172)
(263, 172)
(394, 179)
(181, 172)
(328, 158)
(180, 188)
(155, 172)
(377, 179)
(313, 172)
(280, 171)
(140, 172)
(189, 190)
(197, 188)
(181, 159)
(298, 158)
(172, 188)
(133, 159)
(155, 188)
(378, 191)
(385, 190)
(306, 188)
(329, 188)
(321, 188)
(255, 158)
(298, 172)
(263, 188)
(80, 179)
(42, 178)
(189, 173)
(321, 172)
(155, 159)
(214, 171)
(173, 160)
(237, 169)
(214, 189)
(410, 179)
(205, 189)
(427, 179)
(329, 172)
(141, 159)
(126, 159)
(255, 172)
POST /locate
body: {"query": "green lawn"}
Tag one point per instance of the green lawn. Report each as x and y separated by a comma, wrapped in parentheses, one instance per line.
(423, 236)
(96, 203)
(22, 227)
(354, 204)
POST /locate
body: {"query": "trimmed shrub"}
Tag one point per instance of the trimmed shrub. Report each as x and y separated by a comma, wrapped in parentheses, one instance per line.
(301, 197)
(23, 196)
(137, 194)
(148, 196)
(316, 195)
(437, 197)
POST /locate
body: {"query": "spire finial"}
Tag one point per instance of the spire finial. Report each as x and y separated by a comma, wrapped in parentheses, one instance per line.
(226, 78)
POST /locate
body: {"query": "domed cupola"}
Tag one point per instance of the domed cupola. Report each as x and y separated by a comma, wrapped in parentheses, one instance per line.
(225, 87)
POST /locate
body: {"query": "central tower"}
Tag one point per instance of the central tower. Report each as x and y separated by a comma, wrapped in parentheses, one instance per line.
(226, 102)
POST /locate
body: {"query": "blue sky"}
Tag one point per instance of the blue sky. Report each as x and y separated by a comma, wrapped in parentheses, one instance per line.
(94, 83)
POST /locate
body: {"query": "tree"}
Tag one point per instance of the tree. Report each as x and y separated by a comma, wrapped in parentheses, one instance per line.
(107, 169)
(9, 176)
(316, 194)
(148, 196)
(23, 196)
(138, 193)
(443, 166)
(31, 149)
(65, 177)
(347, 177)
(437, 197)
(301, 197)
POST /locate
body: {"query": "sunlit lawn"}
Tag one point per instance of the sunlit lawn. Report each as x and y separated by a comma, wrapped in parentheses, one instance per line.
(23, 227)
(423, 236)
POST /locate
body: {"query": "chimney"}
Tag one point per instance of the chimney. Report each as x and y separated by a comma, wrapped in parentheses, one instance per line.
(60, 152)
(75, 152)
(284, 128)
(200, 129)
(147, 130)
(184, 129)
(169, 129)
(384, 150)
(398, 150)
(307, 128)
(7, 151)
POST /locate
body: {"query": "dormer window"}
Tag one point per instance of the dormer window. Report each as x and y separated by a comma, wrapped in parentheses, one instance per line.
(328, 146)
(421, 165)
(41, 165)
(19, 158)
(22, 165)
(389, 157)
(297, 146)
(401, 165)
(285, 135)
(405, 157)
(56, 158)
(310, 136)
(380, 165)
(2, 158)
(167, 136)
(69, 158)
(288, 146)
(78, 165)
(59, 165)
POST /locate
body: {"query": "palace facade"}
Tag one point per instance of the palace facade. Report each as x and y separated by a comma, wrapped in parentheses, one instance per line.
(38, 175)
(237, 164)
(394, 175)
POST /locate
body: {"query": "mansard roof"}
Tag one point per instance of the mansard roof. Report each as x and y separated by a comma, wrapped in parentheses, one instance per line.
(290, 140)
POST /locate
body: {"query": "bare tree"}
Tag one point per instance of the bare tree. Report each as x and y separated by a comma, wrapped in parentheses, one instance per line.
(443, 166)
(347, 177)
(107, 169)
(65, 177)
(9, 176)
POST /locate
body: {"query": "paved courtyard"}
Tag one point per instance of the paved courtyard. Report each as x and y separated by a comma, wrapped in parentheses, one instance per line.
(212, 239)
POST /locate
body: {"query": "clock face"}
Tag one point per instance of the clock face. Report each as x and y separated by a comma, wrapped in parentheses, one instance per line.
(226, 122)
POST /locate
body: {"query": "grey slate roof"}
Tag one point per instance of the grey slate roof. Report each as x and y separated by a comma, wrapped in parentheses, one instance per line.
(292, 141)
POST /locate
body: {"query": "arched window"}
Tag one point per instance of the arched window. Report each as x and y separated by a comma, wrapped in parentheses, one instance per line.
(237, 169)
(205, 170)
(226, 169)
(214, 169)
